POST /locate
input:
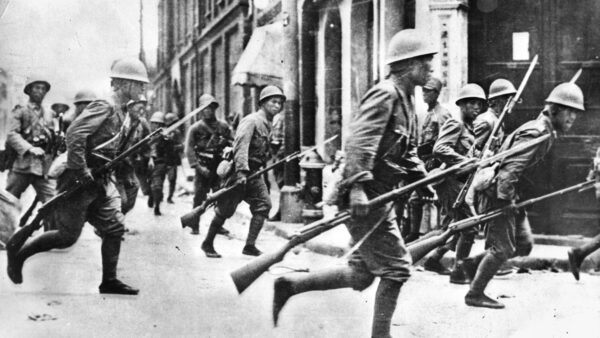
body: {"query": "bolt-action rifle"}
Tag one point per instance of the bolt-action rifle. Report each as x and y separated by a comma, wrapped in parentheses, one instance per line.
(421, 248)
(19, 237)
(192, 218)
(247, 274)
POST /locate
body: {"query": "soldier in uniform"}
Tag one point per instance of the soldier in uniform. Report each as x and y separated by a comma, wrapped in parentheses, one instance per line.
(510, 235)
(99, 129)
(174, 160)
(500, 92)
(204, 145)
(435, 118)
(380, 154)
(126, 181)
(455, 145)
(250, 153)
(30, 135)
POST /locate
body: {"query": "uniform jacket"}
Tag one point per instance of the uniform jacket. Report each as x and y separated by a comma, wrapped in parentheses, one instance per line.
(199, 138)
(98, 123)
(167, 149)
(483, 126)
(432, 123)
(383, 136)
(455, 140)
(29, 124)
(513, 167)
(251, 143)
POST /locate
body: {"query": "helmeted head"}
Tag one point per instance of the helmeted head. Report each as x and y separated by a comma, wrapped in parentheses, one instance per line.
(137, 108)
(471, 100)
(157, 119)
(500, 92)
(59, 108)
(170, 118)
(208, 106)
(410, 51)
(36, 88)
(431, 91)
(271, 100)
(129, 78)
(82, 99)
(563, 104)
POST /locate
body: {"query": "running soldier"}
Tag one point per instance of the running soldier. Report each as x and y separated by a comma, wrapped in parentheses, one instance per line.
(250, 153)
(380, 154)
(126, 181)
(510, 235)
(100, 130)
(204, 146)
(455, 145)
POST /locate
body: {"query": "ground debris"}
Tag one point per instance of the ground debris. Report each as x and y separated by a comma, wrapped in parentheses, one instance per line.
(41, 318)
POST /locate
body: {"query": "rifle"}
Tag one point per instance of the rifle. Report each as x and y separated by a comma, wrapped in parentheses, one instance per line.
(508, 107)
(192, 218)
(246, 275)
(421, 248)
(20, 236)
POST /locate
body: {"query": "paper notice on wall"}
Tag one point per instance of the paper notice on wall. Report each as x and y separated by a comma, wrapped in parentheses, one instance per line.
(520, 46)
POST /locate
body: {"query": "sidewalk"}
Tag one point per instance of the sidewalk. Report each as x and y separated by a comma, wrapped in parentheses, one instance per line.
(549, 251)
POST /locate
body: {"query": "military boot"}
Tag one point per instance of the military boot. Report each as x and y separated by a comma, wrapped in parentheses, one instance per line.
(485, 272)
(157, 199)
(575, 261)
(334, 278)
(432, 263)
(256, 224)
(481, 300)
(207, 245)
(458, 274)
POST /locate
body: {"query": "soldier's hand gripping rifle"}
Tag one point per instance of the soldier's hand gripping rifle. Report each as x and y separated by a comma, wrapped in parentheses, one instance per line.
(246, 275)
(19, 237)
(421, 248)
(493, 139)
(192, 219)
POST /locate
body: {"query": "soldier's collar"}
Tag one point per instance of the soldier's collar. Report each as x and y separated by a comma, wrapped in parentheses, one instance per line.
(34, 106)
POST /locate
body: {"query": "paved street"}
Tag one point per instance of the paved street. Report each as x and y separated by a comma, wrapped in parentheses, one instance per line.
(185, 294)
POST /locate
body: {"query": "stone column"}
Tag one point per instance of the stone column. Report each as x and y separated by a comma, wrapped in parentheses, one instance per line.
(448, 21)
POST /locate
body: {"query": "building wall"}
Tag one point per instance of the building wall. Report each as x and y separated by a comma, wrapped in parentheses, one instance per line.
(207, 38)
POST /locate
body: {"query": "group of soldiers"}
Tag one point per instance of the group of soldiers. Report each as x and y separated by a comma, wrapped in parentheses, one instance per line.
(387, 149)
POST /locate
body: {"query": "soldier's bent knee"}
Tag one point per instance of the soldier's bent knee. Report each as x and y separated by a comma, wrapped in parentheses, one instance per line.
(524, 249)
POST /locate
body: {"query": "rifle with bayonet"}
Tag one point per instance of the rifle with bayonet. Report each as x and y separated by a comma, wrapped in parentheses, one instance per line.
(422, 247)
(192, 219)
(19, 237)
(492, 139)
(246, 275)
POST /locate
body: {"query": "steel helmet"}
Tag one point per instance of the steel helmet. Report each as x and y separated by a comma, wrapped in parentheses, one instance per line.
(33, 80)
(269, 91)
(207, 100)
(434, 84)
(158, 117)
(501, 87)
(470, 91)
(83, 96)
(129, 69)
(409, 43)
(170, 118)
(58, 105)
(567, 94)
